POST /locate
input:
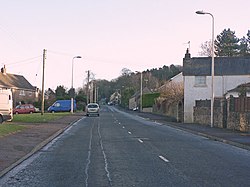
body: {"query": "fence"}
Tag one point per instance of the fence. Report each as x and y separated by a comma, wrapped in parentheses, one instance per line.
(241, 104)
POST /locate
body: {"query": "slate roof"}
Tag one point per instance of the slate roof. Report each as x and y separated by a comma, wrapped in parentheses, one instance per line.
(145, 90)
(15, 81)
(201, 66)
(239, 88)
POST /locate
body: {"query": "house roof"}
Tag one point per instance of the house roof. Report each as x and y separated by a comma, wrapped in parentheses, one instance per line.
(201, 66)
(145, 90)
(14, 81)
(239, 88)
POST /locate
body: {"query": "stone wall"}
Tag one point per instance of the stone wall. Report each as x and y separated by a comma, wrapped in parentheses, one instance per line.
(174, 110)
(202, 112)
(224, 115)
(239, 121)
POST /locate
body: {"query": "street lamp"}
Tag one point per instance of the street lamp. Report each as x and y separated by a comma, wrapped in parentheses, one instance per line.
(72, 93)
(141, 92)
(212, 70)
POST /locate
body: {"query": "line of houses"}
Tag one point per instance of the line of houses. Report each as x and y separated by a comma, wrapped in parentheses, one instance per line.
(231, 80)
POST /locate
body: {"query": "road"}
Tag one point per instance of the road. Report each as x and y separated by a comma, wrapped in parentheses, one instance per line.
(120, 149)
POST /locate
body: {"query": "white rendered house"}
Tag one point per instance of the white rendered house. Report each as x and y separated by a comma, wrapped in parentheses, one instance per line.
(229, 73)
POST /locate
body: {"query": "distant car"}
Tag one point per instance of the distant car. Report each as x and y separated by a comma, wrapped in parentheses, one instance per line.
(24, 109)
(92, 108)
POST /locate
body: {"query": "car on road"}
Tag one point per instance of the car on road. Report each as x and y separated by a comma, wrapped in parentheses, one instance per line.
(92, 108)
(24, 109)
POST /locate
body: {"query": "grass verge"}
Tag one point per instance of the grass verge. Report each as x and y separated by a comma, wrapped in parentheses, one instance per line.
(38, 118)
(6, 129)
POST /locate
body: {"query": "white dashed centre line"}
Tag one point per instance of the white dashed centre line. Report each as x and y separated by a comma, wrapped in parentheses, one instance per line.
(163, 158)
(141, 141)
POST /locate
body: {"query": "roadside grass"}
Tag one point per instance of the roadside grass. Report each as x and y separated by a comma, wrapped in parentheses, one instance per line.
(38, 118)
(6, 129)
(9, 128)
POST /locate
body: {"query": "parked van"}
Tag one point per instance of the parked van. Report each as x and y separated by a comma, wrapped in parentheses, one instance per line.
(6, 105)
(61, 106)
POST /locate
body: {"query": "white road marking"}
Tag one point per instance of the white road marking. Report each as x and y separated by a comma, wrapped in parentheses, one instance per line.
(163, 158)
(141, 141)
(104, 155)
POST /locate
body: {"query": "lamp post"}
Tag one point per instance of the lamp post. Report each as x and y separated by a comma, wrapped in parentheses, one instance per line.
(141, 92)
(72, 93)
(212, 67)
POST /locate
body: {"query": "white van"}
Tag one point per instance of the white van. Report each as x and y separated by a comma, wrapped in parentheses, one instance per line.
(6, 105)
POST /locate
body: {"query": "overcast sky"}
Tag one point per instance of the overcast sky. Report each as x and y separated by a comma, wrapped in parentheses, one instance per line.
(108, 34)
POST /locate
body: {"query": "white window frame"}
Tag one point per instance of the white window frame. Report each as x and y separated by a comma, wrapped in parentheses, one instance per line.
(22, 92)
(200, 81)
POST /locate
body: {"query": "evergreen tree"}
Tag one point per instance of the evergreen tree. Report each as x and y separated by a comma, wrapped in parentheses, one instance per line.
(61, 93)
(243, 47)
(226, 44)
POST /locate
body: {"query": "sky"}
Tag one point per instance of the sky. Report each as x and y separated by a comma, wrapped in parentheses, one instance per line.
(109, 35)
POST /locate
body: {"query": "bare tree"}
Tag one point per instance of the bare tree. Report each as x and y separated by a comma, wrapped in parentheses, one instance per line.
(172, 92)
(206, 49)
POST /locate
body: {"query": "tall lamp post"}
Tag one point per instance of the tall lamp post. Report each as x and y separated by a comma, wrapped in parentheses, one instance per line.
(72, 92)
(212, 70)
(141, 92)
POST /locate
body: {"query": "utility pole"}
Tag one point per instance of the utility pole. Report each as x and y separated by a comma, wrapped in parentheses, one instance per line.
(44, 57)
(87, 90)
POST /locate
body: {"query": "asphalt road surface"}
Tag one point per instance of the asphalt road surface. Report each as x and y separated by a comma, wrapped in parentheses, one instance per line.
(120, 149)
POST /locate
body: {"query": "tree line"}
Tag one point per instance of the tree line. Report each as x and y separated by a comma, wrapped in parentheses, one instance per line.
(127, 84)
(227, 44)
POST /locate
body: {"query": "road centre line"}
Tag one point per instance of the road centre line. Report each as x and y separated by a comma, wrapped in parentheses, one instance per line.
(163, 158)
(141, 141)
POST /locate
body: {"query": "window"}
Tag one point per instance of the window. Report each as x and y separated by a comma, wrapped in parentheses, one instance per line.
(22, 92)
(200, 81)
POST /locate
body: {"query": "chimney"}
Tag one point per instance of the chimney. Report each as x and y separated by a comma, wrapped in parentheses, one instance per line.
(3, 70)
(187, 55)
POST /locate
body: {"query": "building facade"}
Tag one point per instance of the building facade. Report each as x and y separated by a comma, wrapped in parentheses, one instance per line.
(229, 72)
(22, 90)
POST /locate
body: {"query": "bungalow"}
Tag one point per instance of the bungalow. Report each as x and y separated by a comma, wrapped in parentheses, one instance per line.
(239, 90)
(21, 89)
(229, 73)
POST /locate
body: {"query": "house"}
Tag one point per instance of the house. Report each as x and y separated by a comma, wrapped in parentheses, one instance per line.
(239, 90)
(177, 79)
(170, 102)
(21, 89)
(115, 98)
(229, 73)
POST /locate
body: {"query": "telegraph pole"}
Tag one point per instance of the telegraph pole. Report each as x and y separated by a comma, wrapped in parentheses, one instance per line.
(44, 57)
(87, 90)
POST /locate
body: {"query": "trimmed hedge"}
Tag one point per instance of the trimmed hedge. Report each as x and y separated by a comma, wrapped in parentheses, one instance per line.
(148, 100)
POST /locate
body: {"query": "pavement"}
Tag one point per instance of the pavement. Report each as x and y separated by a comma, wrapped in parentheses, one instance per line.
(17, 147)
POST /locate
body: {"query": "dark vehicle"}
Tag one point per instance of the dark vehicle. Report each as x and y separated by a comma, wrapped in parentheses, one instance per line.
(24, 109)
(92, 108)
